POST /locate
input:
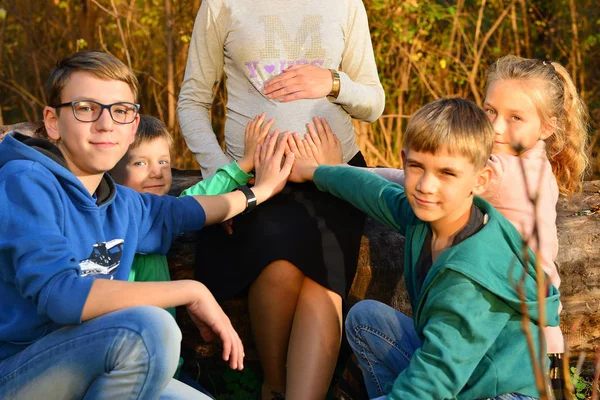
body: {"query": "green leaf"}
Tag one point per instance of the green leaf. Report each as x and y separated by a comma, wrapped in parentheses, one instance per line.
(231, 376)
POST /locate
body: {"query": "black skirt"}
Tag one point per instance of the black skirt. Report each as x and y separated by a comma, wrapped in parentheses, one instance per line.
(317, 232)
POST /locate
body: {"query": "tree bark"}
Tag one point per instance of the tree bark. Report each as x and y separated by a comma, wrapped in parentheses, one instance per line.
(171, 102)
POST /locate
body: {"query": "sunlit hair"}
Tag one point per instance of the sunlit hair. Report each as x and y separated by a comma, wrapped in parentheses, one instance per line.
(149, 129)
(457, 126)
(555, 96)
(97, 63)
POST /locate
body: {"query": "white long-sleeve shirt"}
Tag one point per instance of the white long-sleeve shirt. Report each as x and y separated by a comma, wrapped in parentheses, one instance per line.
(253, 41)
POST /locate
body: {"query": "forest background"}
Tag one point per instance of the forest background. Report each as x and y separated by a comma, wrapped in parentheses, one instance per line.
(425, 49)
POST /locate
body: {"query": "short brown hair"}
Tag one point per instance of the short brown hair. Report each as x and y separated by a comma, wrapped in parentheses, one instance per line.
(98, 63)
(149, 129)
(457, 125)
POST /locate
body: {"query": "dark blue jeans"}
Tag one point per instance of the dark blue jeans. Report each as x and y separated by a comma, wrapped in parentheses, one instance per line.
(384, 341)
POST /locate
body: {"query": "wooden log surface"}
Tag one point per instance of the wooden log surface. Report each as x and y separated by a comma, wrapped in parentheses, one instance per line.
(380, 271)
(579, 267)
(35, 129)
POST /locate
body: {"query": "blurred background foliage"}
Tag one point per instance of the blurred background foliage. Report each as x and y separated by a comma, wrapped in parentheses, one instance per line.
(425, 49)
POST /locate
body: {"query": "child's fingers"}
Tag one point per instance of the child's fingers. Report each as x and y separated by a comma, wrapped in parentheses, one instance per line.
(252, 126)
(236, 358)
(264, 148)
(265, 131)
(248, 131)
(227, 226)
(257, 153)
(308, 151)
(310, 144)
(227, 346)
(320, 129)
(331, 137)
(293, 143)
(268, 147)
(313, 134)
(288, 149)
(278, 151)
(303, 147)
(231, 347)
(266, 127)
(287, 165)
(259, 121)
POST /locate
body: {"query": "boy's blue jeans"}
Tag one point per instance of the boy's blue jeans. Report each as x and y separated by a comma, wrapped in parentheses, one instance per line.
(384, 341)
(126, 354)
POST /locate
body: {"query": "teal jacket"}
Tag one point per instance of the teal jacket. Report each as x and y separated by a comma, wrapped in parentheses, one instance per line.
(467, 312)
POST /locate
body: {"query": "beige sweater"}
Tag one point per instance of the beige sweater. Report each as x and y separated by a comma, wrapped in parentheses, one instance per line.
(253, 41)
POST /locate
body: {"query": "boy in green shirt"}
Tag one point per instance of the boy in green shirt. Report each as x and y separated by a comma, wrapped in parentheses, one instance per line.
(146, 167)
(463, 261)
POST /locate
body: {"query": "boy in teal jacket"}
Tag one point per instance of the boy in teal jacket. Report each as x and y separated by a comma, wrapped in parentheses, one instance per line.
(462, 265)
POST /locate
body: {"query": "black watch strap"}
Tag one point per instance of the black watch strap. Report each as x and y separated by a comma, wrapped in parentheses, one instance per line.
(250, 198)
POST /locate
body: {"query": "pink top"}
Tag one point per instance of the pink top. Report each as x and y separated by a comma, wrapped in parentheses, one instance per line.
(508, 193)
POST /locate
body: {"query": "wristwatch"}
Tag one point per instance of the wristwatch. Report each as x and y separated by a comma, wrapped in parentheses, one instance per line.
(250, 198)
(335, 88)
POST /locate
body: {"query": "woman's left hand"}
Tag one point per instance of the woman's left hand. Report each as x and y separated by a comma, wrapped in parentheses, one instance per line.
(302, 81)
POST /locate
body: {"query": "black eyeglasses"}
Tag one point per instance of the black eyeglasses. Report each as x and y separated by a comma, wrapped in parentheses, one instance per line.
(90, 111)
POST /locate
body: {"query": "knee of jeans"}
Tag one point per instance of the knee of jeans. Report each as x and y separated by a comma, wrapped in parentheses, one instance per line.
(157, 329)
(359, 314)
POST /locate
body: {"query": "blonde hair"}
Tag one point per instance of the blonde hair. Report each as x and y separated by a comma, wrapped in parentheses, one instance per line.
(555, 96)
(149, 129)
(100, 64)
(457, 125)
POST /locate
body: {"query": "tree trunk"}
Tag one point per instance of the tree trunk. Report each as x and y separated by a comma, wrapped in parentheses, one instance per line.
(170, 68)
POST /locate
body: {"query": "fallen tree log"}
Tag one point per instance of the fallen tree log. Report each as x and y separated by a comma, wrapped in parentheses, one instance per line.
(578, 262)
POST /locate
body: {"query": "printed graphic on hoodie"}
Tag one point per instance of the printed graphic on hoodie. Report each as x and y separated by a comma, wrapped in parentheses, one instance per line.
(104, 260)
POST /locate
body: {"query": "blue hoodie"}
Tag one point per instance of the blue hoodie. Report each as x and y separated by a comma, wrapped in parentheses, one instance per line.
(56, 238)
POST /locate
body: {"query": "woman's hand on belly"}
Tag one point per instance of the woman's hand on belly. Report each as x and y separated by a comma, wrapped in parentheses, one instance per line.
(302, 81)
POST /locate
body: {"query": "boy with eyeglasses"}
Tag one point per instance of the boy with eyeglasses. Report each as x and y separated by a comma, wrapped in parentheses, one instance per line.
(71, 326)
